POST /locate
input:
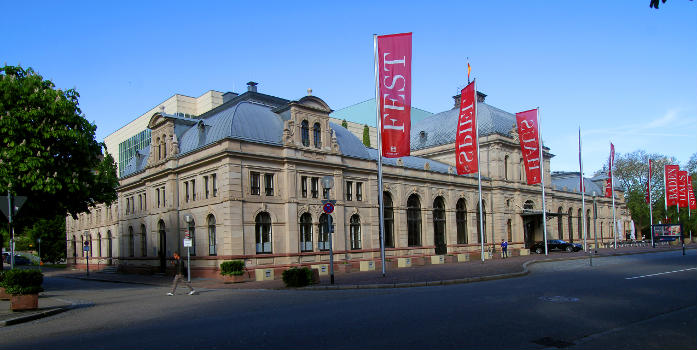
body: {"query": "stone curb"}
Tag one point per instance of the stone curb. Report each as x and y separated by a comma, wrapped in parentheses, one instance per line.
(470, 279)
(35, 316)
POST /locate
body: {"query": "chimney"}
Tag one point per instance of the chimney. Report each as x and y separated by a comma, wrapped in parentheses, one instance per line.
(480, 98)
(252, 86)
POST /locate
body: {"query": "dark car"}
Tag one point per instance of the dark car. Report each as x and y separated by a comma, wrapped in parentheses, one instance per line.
(20, 260)
(556, 244)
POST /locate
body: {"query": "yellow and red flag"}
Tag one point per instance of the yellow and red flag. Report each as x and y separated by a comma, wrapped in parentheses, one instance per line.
(469, 69)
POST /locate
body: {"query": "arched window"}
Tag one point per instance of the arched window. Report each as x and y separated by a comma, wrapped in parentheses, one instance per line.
(461, 221)
(481, 234)
(159, 148)
(570, 224)
(131, 242)
(99, 244)
(74, 247)
(263, 232)
(355, 231)
(580, 225)
(211, 236)
(89, 239)
(108, 244)
(306, 233)
(305, 132)
(317, 135)
(439, 225)
(192, 235)
(323, 236)
(529, 205)
(82, 244)
(388, 212)
(505, 167)
(164, 146)
(413, 221)
(560, 225)
(143, 241)
(509, 230)
(521, 174)
(162, 253)
(588, 223)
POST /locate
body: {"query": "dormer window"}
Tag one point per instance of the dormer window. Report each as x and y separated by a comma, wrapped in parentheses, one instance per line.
(305, 133)
(317, 135)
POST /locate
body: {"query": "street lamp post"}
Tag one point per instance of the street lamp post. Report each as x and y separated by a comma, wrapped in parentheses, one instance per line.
(187, 244)
(328, 183)
(38, 241)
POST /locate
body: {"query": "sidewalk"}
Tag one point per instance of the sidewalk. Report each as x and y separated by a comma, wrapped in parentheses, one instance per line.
(418, 276)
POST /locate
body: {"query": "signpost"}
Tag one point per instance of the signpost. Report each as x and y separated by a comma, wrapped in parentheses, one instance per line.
(188, 244)
(328, 206)
(86, 249)
(13, 205)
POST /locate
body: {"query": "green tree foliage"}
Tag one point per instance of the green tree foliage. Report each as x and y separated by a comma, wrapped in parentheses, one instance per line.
(344, 124)
(654, 3)
(366, 136)
(52, 234)
(49, 152)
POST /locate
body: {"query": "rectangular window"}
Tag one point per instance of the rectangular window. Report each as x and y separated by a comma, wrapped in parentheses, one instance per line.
(186, 191)
(359, 191)
(303, 186)
(254, 180)
(127, 206)
(205, 185)
(193, 190)
(268, 184)
(164, 198)
(145, 201)
(140, 202)
(325, 193)
(315, 187)
(215, 185)
(349, 190)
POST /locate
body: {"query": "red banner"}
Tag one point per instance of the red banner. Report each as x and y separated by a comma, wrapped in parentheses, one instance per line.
(691, 194)
(528, 134)
(671, 181)
(394, 87)
(608, 183)
(466, 157)
(682, 189)
(648, 184)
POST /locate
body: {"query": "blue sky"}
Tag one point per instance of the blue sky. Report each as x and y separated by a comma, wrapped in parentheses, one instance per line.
(622, 71)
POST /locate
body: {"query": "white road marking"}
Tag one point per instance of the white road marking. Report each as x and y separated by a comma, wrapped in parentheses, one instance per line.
(661, 273)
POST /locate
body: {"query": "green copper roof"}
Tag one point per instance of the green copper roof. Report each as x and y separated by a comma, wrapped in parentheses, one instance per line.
(364, 113)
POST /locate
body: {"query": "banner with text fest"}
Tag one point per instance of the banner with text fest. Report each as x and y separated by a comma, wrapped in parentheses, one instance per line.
(528, 134)
(671, 181)
(466, 157)
(394, 86)
(691, 194)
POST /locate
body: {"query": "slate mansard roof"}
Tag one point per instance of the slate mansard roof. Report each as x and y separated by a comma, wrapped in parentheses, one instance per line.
(259, 118)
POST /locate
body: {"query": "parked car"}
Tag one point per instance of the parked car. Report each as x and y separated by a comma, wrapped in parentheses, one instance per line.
(556, 244)
(21, 260)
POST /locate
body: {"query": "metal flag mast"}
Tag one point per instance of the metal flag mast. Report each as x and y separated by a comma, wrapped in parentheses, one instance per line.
(612, 184)
(381, 205)
(542, 180)
(583, 192)
(479, 173)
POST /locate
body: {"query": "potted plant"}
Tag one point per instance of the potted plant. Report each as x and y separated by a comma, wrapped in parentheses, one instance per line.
(3, 294)
(233, 271)
(24, 287)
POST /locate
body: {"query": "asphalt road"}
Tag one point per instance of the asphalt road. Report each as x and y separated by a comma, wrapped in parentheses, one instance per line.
(639, 301)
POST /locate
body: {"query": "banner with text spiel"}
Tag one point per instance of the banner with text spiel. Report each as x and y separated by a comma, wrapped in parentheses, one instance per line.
(691, 194)
(529, 144)
(394, 86)
(682, 190)
(671, 178)
(466, 140)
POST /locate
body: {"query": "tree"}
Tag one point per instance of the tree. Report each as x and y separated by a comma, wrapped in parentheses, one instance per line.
(654, 3)
(52, 234)
(366, 135)
(344, 124)
(49, 152)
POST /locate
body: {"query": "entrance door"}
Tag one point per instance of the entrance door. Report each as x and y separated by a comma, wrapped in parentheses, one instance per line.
(162, 253)
(529, 233)
(439, 226)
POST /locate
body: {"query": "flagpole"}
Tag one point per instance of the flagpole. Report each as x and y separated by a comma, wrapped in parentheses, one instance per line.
(381, 206)
(650, 207)
(542, 180)
(479, 174)
(612, 184)
(583, 193)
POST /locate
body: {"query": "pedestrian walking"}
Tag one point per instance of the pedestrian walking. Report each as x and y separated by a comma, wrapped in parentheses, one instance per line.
(180, 270)
(504, 248)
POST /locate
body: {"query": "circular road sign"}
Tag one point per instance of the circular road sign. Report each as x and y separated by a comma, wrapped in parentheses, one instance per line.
(328, 208)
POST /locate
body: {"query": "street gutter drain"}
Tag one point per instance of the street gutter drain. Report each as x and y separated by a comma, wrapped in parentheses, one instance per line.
(549, 341)
(559, 299)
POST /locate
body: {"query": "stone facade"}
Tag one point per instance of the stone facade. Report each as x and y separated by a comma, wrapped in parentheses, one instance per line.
(261, 201)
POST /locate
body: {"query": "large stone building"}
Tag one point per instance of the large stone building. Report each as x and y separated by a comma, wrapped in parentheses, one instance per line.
(247, 176)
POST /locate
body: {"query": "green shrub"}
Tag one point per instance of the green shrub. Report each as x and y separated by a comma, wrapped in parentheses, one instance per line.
(21, 282)
(232, 268)
(297, 277)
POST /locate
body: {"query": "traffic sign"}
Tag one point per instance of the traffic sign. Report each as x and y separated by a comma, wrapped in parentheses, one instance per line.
(328, 207)
(187, 242)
